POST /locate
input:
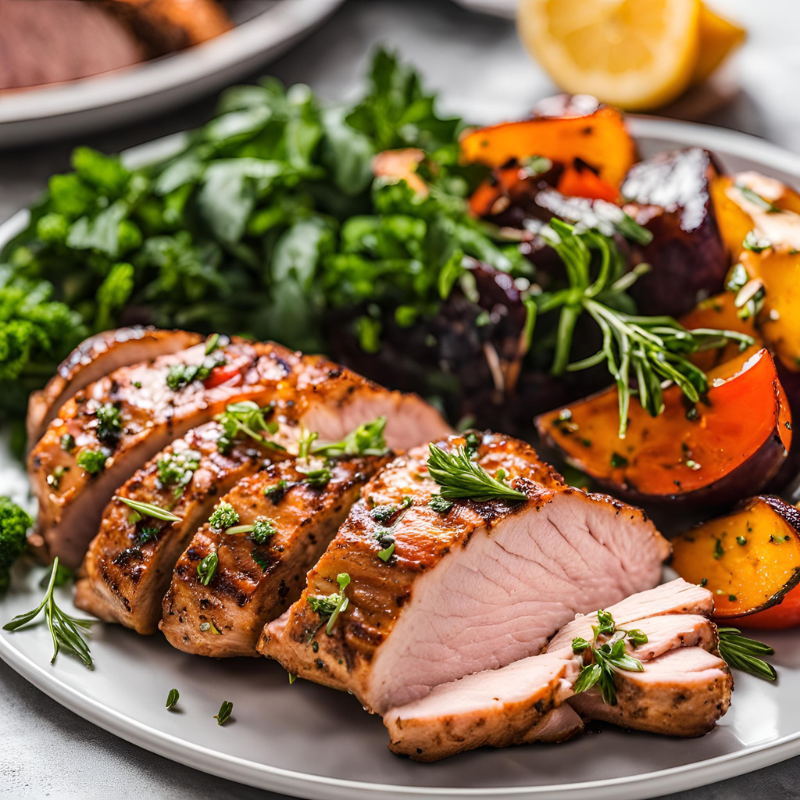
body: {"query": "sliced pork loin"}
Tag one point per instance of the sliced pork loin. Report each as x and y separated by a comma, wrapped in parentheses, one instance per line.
(91, 360)
(79, 463)
(681, 693)
(476, 587)
(256, 581)
(128, 566)
(532, 699)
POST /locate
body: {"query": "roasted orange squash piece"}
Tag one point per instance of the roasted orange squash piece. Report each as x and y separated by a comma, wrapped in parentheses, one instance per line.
(779, 319)
(719, 312)
(716, 452)
(401, 165)
(766, 205)
(749, 559)
(598, 139)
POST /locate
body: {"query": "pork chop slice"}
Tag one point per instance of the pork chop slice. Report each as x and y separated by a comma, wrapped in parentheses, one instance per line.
(681, 693)
(129, 564)
(473, 587)
(154, 405)
(91, 360)
(495, 708)
(255, 581)
(515, 704)
(80, 462)
(677, 597)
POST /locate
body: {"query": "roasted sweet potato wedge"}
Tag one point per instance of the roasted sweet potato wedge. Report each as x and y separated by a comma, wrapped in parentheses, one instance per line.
(715, 452)
(720, 313)
(669, 195)
(748, 202)
(598, 139)
(750, 559)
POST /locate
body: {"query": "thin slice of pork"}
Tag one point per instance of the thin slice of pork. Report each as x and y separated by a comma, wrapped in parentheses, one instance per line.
(524, 701)
(254, 582)
(298, 389)
(681, 693)
(129, 564)
(91, 360)
(475, 587)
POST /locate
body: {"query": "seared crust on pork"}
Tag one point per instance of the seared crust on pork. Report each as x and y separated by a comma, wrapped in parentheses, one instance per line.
(256, 582)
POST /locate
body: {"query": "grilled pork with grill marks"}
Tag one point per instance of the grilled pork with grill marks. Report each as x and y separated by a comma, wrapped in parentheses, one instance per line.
(524, 701)
(79, 462)
(475, 587)
(258, 574)
(91, 360)
(129, 563)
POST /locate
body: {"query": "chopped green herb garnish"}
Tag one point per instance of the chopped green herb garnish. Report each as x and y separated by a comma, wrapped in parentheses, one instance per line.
(148, 535)
(224, 713)
(277, 491)
(55, 477)
(718, 551)
(181, 375)
(211, 343)
(756, 243)
(741, 540)
(207, 568)
(172, 698)
(329, 607)
(439, 504)
(383, 514)
(618, 461)
(365, 440)
(249, 419)
(92, 461)
(386, 553)
(224, 516)
(637, 637)
(67, 442)
(259, 531)
(109, 423)
(262, 559)
(757, 200)
(177, 469)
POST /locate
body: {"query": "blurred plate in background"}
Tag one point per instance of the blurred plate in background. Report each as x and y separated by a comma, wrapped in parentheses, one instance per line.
(264, 30)
(499, 8)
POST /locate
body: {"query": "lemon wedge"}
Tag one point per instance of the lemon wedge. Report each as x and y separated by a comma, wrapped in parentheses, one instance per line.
(635, 54)
(718, 37)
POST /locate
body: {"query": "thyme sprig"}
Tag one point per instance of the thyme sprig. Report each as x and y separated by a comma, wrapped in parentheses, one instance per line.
(461, 478)
(67, 632)
(742, 653)
(608, 658)
(653, 351)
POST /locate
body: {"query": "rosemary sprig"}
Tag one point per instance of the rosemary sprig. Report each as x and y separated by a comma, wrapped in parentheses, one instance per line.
(609, 658)
(652, 351)
(461, 478)
(742, 653)
(67, 631)
(149, 509)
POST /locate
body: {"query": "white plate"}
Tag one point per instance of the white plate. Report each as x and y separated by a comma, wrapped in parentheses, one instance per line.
(497, 8)
(267, 28)
(313, 742)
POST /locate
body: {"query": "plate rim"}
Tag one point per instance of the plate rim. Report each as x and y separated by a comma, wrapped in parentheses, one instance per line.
(204, 759)
(273, 26)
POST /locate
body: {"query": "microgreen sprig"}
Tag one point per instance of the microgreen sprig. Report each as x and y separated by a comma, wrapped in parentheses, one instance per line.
(66, 631)
(330, 606)
(248, 418)
(365, 440)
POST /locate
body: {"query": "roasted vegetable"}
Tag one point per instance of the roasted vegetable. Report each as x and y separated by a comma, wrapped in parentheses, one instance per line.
(595, 136)
(750, 559)
(669, 195)
(729, 443)
(719, 312)
(749, 202)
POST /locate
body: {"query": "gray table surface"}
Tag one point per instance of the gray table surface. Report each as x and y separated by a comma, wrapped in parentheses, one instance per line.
(482, 72)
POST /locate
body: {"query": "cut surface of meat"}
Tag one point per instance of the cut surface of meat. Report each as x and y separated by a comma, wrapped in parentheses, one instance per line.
(681, 693)
(477, 587)
(129, 563)
(155, 402)
(532, 699)
(495, 708)
(255, 581)
(92, 359)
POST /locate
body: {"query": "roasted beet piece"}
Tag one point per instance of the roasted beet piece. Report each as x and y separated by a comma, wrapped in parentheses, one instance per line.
(669, 195)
